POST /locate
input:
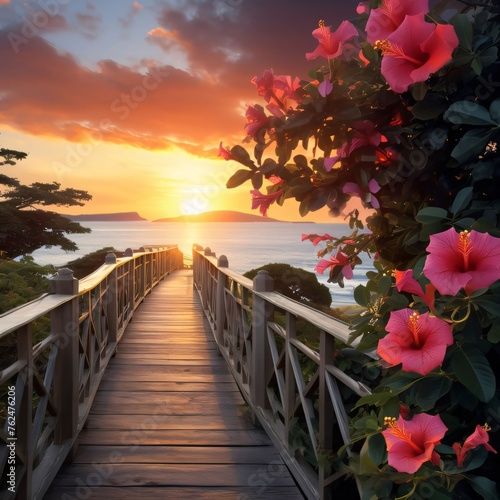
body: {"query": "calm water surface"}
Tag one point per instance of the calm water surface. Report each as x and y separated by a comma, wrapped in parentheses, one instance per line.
(246, 245)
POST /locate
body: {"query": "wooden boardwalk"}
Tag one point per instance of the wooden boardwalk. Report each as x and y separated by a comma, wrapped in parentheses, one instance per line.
(168, 421)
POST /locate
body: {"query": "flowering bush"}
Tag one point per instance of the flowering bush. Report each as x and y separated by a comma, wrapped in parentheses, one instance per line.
(404, 113)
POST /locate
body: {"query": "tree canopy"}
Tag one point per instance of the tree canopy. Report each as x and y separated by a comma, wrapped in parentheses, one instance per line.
(25, 224)
(296, 284)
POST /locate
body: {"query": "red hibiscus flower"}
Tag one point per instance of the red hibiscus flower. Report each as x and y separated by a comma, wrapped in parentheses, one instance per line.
(387, 18)
(468, 260)
(331, 44)
(477, 438)
(415, 50)
(417, 341)
(411, 443)
(263, 201)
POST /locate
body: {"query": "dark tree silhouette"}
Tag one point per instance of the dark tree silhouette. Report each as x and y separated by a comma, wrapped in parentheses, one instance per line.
(25, 225)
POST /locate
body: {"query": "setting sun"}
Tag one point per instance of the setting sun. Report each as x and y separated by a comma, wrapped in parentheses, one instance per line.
(193, 206)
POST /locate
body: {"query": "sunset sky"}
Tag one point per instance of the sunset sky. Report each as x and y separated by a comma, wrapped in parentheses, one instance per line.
(129, 100)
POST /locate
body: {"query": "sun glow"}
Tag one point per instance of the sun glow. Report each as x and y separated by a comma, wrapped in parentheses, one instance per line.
(194, 206)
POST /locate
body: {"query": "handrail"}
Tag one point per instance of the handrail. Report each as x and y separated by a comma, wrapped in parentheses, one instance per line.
(54, 351)
(296, 388)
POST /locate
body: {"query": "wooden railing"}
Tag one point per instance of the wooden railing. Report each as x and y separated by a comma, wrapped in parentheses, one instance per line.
(53, 353)
(295, 383)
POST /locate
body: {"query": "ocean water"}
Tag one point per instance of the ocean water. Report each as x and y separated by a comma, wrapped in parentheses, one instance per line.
(246, 245)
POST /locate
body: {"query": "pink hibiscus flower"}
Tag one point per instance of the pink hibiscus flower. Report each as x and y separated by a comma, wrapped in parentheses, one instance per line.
(363, 133)
(405, 282)
(341, 259)
(279, 91)
(417, 341)
(411, 443)
(331, 44)
(387, 18)
(316, 238)
(256, 118)
(477, 438)
(366, 195)
(468, 260)
(225, 153)
(415, 50)
(263, 201)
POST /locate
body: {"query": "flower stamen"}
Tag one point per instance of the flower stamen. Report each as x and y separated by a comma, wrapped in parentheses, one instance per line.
(414, 327)
(465, 247)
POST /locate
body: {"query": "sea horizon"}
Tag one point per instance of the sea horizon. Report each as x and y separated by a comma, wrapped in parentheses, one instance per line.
(246, 245)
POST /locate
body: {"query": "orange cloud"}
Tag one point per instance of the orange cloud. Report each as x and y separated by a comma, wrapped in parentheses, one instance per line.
(152, 109)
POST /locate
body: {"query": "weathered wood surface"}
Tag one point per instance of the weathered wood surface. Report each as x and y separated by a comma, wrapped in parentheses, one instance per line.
(168, 420)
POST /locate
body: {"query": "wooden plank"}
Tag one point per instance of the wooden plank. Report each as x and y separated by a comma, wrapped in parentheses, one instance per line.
(168, 420)
(213, 409)
(188, 437)
(260, 492)
(175, 398)
(149, 421)
(113, 385)
(119, 474)
(88, 454)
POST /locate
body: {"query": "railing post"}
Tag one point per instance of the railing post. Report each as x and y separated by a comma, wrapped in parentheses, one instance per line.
(112, 301)
(327, 353)
(220, 309)
(130, 281)
(25, 417)
(261, 313)
(64, 322)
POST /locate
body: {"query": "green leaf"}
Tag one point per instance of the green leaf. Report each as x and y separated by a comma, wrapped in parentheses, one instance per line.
(257, 180)
(468, 113)
(489, 303)
(495, 110)
(240, 154)
(390, 409)
(462, 199)
(429, 390)
(484, 486)
(301, 162)
(472, 369)
(472, 144)
(431, 214)
(463, 29)
(268, 166)
(376, 399)
(488, 56)
(377, 448)
(494, 333)
(238, 178)
(362, 295)
(430, 107)
(369, 52)
(419, 90)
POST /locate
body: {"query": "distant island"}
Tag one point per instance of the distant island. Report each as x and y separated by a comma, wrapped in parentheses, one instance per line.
(219, 216)
(213, 216)
(116, 217)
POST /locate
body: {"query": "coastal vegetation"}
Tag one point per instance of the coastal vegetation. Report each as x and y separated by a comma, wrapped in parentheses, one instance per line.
(402, 113)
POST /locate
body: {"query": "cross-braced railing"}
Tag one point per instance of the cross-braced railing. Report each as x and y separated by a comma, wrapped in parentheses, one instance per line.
(53, 353)
(293, 365)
